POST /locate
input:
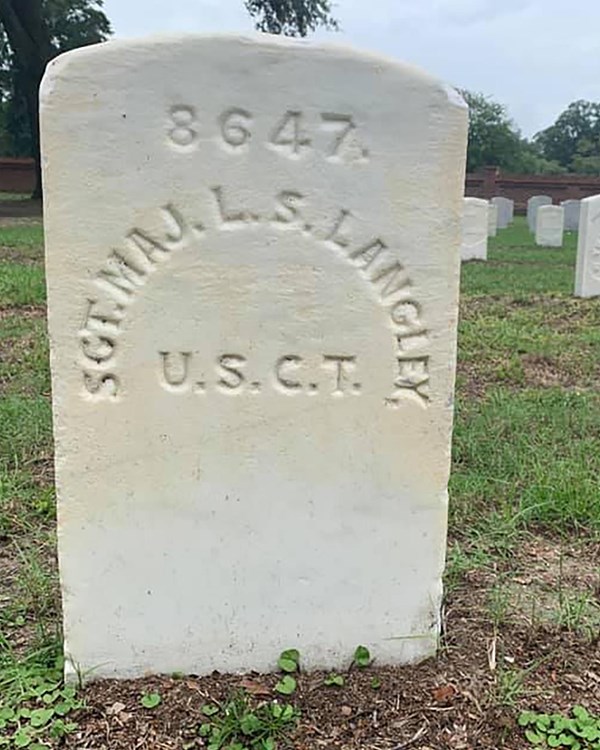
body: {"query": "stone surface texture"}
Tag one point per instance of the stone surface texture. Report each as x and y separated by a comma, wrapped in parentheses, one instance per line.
(572, 210)
(550, 226)
(505, 211)
(474, 229)
(492, 220)
(587, 273)
(253, 269)
(533, 205)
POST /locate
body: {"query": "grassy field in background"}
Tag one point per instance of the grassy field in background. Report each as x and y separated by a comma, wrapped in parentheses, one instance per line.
(526, 459)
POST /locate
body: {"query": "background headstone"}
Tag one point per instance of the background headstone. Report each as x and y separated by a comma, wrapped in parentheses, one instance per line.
(492, 220)
(511, 211)
(572, 209)
(587, 273)
(253, 268)
(532, 207)
(550, 226)
(474, 229)
(504, 211)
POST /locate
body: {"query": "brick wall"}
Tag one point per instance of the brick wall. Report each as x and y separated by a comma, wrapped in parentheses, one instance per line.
(16, 176)
(520, 187)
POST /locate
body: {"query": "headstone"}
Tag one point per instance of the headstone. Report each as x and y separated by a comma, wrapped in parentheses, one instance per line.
(550, 226)
(474, 229)
(492, 220)
(587, 273)
(253, 265)
(572, 210)
(511, 211)
(504, 206)
(532, 207)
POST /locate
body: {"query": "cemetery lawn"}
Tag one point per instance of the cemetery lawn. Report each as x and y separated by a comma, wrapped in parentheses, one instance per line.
(522, 609)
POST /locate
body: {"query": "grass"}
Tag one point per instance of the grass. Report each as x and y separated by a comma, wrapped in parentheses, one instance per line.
(518, 268)
(527, 431)
(526, 454)
(23, 236)
(21, 285)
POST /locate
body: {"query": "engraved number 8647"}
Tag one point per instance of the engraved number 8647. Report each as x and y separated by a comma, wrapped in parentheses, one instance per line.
(334, 134)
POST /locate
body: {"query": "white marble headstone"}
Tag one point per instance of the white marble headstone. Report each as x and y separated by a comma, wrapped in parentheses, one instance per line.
(474, 229)
(533, 204)
(253, 266)
(504, 207)
(549, 226)
(492, 220)
(572, 211)
(587, 273)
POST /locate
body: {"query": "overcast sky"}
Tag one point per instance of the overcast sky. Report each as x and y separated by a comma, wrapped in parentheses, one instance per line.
(534, 56)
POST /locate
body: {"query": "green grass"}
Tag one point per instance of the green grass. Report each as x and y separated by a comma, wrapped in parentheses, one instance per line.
(527, 459)
(517, 267)
(526, 452)
(22, 235)
(23, 354)
(21, 285)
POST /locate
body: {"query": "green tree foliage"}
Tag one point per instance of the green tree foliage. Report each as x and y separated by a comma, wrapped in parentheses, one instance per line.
(32, 32)
(495, 141)
(574, 139)
(291, 17)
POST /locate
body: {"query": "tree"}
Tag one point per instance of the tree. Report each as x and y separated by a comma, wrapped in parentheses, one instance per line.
(33, 32)
(574, 139)
(495, 141)
(291, 17)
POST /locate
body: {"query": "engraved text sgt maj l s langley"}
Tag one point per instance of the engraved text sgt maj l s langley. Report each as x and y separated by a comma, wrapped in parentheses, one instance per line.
(126, 271)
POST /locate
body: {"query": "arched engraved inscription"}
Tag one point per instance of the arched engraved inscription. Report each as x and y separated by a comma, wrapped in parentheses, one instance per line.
(128, 269)
(116, 285)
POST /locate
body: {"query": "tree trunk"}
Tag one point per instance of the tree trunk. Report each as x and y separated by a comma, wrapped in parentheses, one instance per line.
(33, 109)
(30, 41)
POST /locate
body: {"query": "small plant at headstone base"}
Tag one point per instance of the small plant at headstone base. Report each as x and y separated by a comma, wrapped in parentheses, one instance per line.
(334, 680)
(362, 657)
(35, 704)
(239, 725)
(286, 685)
(150, 700)
(581, 732)
(289, 660)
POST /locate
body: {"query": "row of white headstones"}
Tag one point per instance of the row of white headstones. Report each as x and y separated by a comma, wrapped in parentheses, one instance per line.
(483, 219)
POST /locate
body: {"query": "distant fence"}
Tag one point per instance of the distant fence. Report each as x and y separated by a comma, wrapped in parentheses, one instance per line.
(520, 187)
(16, 176)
